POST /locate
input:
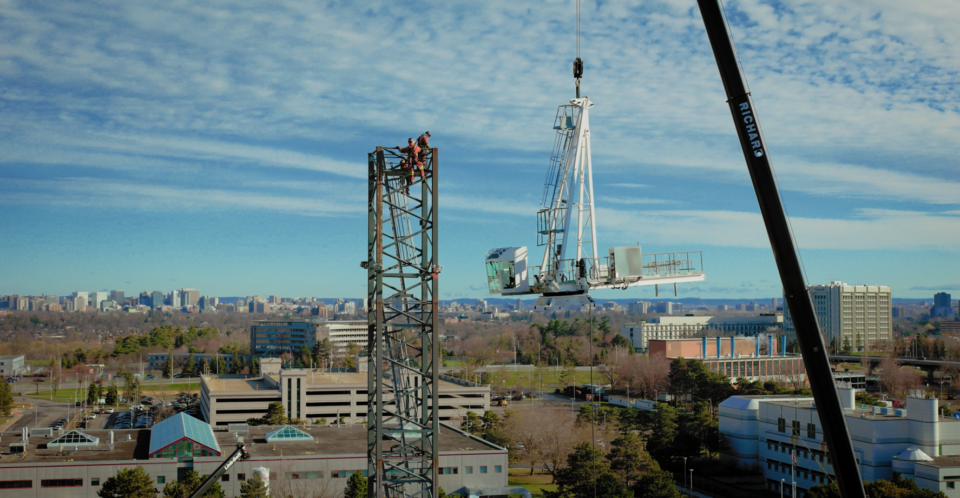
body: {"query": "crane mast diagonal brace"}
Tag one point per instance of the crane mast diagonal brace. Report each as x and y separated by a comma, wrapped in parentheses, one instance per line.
(403, 357)
(836, 433)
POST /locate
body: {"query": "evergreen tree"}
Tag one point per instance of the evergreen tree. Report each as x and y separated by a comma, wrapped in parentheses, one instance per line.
(356, 486)
(254, 488)
(235, 363)
(663, 432)
(188, 370)
(628, 458)
(220, 366)
(586, 471)
(92, 395)
(656, 484)
(6, 399)
(254, 366)
(190, 483)
(131, 482)
(112, 396)
(204, 367)
(168, 366)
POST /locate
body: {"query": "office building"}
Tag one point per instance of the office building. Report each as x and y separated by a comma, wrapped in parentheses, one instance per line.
(722, 307)
(156, 299)
(774, 303)
(297, 460)
(519, 305)
(641, 307)
(174, 298)
(12, 365)
(258, 307)
(51, 299)
(275, 337)
(942, 306)
(766, 432)
(315, 394)
(190, 297)
(679, 327)
(852, 317)
(665, 307)
(760, 358)
(751, 306)
(117, 296)
(98, 297)
(343, 333)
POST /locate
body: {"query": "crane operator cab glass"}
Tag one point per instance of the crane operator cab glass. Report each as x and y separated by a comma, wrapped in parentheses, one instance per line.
(507, 271)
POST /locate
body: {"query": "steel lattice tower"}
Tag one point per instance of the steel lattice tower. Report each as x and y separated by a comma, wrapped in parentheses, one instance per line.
(403, 353)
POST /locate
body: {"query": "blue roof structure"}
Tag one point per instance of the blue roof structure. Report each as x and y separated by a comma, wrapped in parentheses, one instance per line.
(287, 434)
(182, 426)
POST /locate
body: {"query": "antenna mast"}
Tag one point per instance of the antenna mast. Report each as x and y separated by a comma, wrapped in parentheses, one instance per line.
(578, 62)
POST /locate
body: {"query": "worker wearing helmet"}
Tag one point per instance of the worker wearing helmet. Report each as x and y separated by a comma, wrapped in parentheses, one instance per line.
(412, 152)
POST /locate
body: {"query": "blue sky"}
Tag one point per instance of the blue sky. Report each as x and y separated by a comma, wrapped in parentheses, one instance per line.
(222, 146)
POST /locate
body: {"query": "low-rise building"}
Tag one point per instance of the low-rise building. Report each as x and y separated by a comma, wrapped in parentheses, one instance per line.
(767, 432)
(314, 394)
(11, 365)
(679, 327)
(739, 357)
(297, 459)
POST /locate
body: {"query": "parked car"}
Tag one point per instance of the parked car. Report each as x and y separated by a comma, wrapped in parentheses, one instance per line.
(57, 427)
(110, 410)
(151, 377)
(11, 380)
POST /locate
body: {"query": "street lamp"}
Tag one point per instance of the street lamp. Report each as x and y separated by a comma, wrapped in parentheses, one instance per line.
(684, 471)
(781, 487)
(691, 480)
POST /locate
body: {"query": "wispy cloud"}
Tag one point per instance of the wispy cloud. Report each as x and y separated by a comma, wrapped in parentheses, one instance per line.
(634, 200)
(871, 230)
(91, 192)
(941, 288)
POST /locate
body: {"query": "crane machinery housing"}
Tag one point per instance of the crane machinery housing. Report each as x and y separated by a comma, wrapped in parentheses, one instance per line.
(566, 224)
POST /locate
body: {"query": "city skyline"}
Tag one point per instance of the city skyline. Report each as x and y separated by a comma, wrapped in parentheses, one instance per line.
(156, 149)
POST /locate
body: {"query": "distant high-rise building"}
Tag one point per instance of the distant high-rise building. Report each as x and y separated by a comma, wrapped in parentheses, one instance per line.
(481, 305)
(665, 307)
(942, 306)
(751, 306)
(86, 299)
(519, 305)
(641, 307)
(190, 297)
(175, 299)
(51, 299)
(80, 303)
(274, 300)
(98, 297)
(897, 311)
(774, 303)
(156, 299)
(722, 307)
(116, 296)
(855, 316)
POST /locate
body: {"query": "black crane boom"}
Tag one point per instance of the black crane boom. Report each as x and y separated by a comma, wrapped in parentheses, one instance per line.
(240, 454)
(812, 347)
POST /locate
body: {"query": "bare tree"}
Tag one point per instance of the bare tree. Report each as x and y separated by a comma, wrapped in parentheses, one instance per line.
(895, 379)
(559, 437)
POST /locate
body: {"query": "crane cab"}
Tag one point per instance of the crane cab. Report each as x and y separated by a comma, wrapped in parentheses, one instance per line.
(507, 271)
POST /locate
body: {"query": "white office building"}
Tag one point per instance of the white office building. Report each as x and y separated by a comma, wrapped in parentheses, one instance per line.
(682, 327)
(856, 316)
(766, 432)
(11, 365)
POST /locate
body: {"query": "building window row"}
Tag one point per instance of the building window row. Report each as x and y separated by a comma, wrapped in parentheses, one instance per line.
(15, 484)
(60, 483)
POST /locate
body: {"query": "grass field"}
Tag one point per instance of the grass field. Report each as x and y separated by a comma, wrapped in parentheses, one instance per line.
(169, 390)
(549, 379)
(535, 484)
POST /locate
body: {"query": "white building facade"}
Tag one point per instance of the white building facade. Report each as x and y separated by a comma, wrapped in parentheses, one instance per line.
(765, 434)
(857, 316)
(682, 327)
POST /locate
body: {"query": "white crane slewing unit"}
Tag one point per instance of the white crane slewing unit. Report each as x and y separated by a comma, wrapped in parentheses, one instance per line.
(566, 227)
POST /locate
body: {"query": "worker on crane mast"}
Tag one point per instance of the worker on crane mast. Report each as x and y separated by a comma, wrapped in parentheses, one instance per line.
(409, 162)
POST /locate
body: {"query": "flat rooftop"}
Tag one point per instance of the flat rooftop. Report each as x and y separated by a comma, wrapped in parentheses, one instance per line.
(856, 412)
(344, 440)
(315, 380)
(37, 452)
(328, 440)
(945, 461)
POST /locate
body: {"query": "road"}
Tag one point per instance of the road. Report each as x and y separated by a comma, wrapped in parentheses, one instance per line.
(42, 413)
